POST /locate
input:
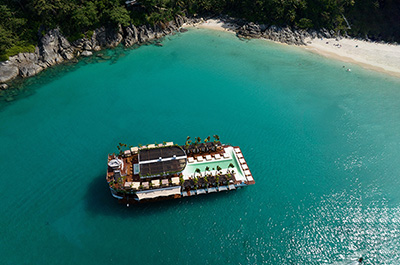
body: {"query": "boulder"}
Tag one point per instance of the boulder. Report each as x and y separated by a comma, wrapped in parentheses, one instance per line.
(132, 36)
(3, 86)
(54, 48)
(107, 37)
(29, 68)
(8, 71)
(179, 20)
(87, 45)
(86, 53)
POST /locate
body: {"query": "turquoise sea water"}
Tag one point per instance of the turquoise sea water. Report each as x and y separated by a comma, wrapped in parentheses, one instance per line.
(323, 145)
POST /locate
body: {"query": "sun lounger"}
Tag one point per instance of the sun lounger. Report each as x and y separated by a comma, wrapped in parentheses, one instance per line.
(134, 150)
(242, 161)
(151, 146)
(226, 155)
(200, 159)
(164, 182)
(244, 166)
(250, 178)
(155, 183)
(239, 155)
(201, 191)
(247, 172)
(237, 150)
(208, 157)
(190, 159)
(175, 180)
(135, 185)
(217, 156)
(212, 190)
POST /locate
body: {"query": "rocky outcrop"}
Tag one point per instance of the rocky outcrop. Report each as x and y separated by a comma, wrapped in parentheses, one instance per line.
(286, 34)
(28, 64)
(145, 33)
(8, 71)
(53, 48)
(107, 38)
(132, 36)
(279, 34)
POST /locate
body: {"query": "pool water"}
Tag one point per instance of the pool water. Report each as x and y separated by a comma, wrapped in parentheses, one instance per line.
(223, 163)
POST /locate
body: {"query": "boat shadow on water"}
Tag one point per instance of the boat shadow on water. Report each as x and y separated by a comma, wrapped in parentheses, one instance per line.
(98, 201)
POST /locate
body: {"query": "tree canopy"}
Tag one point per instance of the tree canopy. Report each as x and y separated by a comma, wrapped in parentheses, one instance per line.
(23, 21)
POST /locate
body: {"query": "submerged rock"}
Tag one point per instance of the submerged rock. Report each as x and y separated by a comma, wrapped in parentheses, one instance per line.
(3, 86)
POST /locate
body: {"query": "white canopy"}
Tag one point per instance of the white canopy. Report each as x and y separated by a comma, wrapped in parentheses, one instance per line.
(150, 194)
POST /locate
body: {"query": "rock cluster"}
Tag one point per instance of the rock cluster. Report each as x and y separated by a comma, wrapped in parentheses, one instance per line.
(53, 48)
(286, 34)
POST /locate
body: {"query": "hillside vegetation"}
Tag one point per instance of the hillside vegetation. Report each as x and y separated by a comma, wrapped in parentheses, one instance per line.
(22, 22)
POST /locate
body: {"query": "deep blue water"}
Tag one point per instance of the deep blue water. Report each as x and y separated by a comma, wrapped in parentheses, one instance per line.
(323, 145)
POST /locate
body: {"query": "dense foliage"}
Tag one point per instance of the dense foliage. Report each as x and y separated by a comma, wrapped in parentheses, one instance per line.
(22, 22)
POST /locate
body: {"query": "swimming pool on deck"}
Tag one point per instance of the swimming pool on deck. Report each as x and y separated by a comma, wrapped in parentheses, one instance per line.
(213, 164)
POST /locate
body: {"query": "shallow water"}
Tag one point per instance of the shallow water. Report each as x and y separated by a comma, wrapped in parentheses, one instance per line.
(323, 145)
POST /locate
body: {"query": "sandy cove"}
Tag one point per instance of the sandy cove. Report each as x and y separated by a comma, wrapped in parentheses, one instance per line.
(375, 56)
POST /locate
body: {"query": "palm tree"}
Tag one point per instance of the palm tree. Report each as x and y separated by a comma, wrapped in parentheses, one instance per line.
(119, 147)
(231, 165)
(205, 143)
(218, 168)
(196, 144)
(206, 180)
(216, 137)
(188, 142)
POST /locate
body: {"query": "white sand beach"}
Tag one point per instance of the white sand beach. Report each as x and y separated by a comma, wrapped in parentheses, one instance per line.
(214, 24)
(375, 56)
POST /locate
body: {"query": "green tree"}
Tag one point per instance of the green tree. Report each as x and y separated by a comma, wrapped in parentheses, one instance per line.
(118, 15)
(85, 16)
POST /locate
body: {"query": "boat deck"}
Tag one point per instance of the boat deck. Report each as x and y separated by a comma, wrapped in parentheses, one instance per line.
(191, 184)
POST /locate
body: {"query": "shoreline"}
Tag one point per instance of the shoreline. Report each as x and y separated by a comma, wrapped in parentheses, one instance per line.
(53, 48)
(379, 57)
